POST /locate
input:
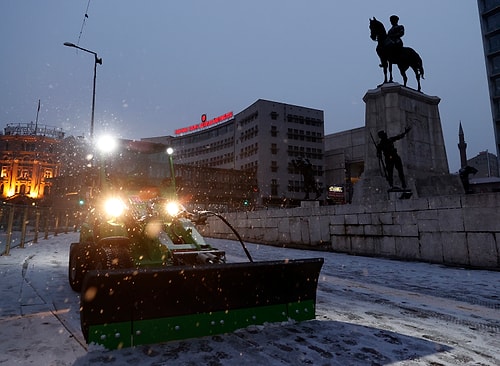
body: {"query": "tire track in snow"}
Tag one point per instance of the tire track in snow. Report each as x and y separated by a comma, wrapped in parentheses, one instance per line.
(478, 315)
(49, 307)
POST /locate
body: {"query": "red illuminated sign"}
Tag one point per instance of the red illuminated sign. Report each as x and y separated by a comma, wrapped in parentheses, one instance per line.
(204, 123)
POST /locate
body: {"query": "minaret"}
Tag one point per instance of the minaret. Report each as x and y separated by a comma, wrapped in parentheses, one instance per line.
(462, 147)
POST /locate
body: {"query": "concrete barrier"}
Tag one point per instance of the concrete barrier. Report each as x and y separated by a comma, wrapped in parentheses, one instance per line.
(459, 230)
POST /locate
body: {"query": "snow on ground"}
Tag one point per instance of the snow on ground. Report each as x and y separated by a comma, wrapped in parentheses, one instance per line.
(370, 311)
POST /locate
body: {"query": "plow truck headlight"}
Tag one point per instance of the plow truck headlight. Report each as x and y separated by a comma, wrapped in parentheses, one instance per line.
(114, 207)
(173, 208)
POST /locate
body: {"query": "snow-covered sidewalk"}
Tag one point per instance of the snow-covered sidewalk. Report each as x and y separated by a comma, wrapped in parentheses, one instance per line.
(35, 306)
(369, 312)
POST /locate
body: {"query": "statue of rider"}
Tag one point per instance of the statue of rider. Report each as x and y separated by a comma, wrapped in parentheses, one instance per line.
(394, 34)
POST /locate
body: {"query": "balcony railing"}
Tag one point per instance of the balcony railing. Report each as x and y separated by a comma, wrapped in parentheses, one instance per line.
(32, 129)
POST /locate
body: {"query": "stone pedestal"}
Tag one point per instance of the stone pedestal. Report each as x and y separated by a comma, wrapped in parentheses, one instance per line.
(393, 107)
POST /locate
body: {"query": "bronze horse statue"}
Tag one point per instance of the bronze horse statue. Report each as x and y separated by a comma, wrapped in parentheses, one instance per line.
(404, 57)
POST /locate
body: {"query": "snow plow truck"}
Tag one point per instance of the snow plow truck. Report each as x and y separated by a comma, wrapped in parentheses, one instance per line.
(146, 275)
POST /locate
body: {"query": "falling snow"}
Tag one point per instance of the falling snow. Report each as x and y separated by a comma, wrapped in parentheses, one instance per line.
(370, 311)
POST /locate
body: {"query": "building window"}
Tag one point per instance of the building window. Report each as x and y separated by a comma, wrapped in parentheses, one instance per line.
(274, 115)
(274, 187)
(294, 186)
(494, 43)
(274, 149)
(487, 5)
(274, 166)
(497, 87)
(274, 131)
(493, 22)
(497, 109)
(495, 64)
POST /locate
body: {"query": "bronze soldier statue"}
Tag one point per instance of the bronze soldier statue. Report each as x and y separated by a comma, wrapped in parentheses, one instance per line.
(306, 169)
(395, 33)
(391, 157)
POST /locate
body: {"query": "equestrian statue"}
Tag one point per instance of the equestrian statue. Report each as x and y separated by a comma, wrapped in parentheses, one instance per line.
(391, 51)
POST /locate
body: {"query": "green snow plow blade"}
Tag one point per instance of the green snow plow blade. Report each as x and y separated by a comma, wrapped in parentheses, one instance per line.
(124, 308)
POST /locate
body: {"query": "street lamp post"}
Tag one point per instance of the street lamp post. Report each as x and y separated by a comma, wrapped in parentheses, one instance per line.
(97, 60)
(170, 151)
(105, 145)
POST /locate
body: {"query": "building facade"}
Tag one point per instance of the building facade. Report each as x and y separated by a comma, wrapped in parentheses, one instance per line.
(269, 140)
(147, 166)
(344, 163)
(489, 16)
(29, 160)
(486, 164)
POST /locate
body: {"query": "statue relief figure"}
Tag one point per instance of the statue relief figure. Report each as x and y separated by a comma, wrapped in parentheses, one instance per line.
(306, 169)
(392, 159)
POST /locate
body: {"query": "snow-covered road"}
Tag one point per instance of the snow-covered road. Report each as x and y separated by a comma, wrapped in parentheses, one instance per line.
(370, 311)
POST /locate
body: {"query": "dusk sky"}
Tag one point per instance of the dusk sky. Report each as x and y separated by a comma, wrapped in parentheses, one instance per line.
(165, 63)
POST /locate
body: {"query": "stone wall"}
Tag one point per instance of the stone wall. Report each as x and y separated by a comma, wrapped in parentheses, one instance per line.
(462, 230)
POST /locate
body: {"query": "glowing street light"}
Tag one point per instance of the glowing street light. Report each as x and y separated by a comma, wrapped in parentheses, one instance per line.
(106, 144)
(97, 60)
